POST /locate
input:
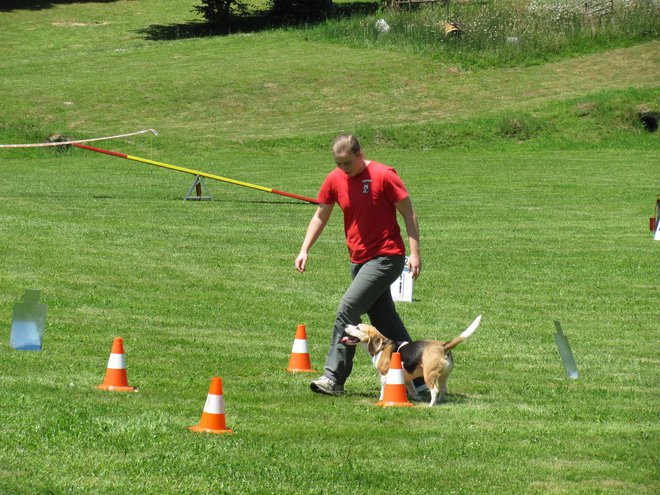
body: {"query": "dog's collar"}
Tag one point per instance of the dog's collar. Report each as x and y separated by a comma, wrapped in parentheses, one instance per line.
(376, 357)
(387, 342)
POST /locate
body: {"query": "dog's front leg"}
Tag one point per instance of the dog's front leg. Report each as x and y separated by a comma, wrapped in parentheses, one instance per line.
(383, 379)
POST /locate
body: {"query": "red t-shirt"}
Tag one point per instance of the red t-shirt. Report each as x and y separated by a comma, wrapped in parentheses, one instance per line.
(367, 201)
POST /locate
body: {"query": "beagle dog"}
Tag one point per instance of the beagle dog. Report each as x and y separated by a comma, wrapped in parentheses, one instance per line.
(430, 359)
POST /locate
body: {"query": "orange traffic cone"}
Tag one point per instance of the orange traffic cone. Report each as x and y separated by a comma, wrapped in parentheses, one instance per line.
(394, 392)
(116, 379)
(299, 360)
(213, 415)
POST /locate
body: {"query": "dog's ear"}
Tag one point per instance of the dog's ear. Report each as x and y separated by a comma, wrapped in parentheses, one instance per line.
(375, 344)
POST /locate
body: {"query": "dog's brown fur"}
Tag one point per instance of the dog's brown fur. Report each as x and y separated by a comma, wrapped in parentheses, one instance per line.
(430, 359)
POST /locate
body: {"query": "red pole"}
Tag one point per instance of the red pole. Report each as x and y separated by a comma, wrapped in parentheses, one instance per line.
(196, 172)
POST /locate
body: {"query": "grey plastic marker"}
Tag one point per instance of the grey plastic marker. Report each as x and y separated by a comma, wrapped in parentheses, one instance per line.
(565, 352)
(28, 324)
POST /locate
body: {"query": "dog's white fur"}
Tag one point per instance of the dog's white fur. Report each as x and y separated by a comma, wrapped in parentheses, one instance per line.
(433, 359)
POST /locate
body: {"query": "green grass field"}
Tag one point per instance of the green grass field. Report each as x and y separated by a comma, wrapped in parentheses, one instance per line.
(524, 228)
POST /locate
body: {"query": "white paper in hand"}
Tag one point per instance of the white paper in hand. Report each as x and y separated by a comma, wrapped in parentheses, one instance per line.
(402, 287)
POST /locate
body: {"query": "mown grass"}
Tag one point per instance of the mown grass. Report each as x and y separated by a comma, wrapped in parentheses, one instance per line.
(521, 228)
(208, 288)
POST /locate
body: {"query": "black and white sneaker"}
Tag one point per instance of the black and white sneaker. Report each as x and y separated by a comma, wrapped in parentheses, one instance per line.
(423, 394)
(326, 385)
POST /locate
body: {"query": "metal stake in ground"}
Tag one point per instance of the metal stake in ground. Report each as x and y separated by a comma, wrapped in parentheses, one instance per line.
(198, 185)
(197, 172)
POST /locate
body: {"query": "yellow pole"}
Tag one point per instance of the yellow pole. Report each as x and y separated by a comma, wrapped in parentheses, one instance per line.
(196, 172)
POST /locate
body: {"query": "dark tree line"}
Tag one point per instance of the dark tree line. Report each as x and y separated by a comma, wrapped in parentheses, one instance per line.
(221, 12)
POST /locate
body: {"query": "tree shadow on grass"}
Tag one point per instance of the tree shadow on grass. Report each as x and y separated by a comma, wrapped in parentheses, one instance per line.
(200, 29)
(255, 22)
(9, 5)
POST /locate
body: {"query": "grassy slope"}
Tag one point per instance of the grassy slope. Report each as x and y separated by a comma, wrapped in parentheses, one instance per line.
(262, 85)
(195, 289)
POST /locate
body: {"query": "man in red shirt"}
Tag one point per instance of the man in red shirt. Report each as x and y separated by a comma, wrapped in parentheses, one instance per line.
(369, 194)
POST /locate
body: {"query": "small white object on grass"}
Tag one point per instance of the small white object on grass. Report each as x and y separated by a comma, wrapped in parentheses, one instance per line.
(382, 26)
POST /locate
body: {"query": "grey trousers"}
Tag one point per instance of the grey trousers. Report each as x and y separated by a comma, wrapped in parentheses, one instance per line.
(368, 293)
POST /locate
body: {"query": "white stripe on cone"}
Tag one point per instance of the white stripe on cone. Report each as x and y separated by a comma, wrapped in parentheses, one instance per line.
(299, 346)
(215, 404)
(117, 362)
(395, 377)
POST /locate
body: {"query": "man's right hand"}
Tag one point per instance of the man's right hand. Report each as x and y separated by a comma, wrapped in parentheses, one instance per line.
(301, 262)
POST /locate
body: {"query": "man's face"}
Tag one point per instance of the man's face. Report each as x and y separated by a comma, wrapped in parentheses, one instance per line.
(351, 164)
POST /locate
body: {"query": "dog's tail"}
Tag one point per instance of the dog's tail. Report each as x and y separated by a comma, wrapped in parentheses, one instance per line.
(468, 331)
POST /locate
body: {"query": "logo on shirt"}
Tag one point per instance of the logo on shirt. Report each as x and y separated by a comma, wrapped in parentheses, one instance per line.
(365, 186)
